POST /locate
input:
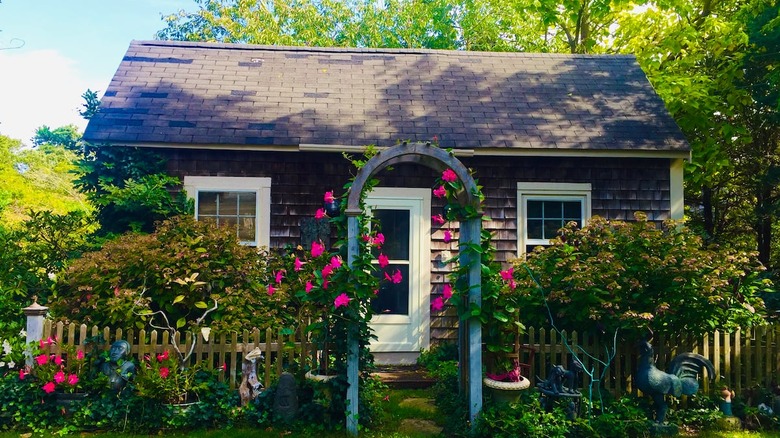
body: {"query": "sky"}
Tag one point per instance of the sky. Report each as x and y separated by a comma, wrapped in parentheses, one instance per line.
(67, 47)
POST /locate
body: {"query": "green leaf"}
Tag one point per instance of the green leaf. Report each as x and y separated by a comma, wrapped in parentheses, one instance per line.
(201, 305)
(178, 299)
(181, 322)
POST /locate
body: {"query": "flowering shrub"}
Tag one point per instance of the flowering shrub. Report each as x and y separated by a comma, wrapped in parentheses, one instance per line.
(65, 372)
(163, 378)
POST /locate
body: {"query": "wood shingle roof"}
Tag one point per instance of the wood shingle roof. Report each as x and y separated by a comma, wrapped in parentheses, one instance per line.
(230, 95)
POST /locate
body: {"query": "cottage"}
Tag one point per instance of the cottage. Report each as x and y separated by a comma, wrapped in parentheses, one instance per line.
(256, 135)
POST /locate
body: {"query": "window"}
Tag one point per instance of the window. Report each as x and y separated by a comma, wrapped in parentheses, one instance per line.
(544, 208)
(240, 202)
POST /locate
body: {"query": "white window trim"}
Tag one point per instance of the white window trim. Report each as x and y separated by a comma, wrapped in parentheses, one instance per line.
(260, 186)
(548, 191)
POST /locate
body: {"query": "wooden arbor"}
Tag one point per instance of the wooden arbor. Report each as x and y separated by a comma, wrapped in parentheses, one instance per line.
(470, 339)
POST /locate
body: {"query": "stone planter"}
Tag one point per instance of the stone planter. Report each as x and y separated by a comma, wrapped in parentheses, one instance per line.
(506, 392)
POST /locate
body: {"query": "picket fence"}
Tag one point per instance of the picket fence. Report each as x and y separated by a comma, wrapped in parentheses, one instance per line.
(742, 359)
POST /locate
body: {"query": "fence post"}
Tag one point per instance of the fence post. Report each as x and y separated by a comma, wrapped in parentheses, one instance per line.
(35, 314)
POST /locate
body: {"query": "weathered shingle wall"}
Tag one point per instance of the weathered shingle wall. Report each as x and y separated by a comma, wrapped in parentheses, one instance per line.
(619, 188)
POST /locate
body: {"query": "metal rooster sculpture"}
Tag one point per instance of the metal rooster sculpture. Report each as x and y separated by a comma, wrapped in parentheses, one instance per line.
(680, 378)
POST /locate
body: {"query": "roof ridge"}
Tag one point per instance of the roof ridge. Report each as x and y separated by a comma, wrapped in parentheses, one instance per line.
(367, 50)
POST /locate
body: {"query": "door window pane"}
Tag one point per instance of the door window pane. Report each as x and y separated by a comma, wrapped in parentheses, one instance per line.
(394, 224)
(393, 298)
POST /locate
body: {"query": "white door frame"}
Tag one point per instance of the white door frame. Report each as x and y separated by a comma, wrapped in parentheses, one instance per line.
(401, 337)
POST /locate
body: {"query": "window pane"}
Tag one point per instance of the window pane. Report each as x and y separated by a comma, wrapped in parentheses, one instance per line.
(551, 228)
(553, 209)
(535, 229)
(228, 221)
(534, 209)
(228, 203)
(393, 299)
(246, 229)
(394, 224)
(246, 204)
(572, 210)
(207, 203)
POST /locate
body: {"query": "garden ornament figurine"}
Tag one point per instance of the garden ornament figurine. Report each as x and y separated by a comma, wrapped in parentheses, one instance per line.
(561, 384)
(680, 378)
(118, 368)
(250, 387)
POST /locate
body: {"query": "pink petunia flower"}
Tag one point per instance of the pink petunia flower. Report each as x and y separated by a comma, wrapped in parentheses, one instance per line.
(309, 286)
(440, 192)
(449, 175)
(73, 380)
(59, 376)
(279, 276)
(271, 289)
(437, 304)
(329, 197)
(512, 284)
(317, 249)
(366, 238)
(388, 278)
(397, 276)
(164, 372)
(341, 300)
(48, 388)
(447, 236)
(42, 359)
(438, 219)
(298, 264)
(383, 260)
(80, 355)
(335, 262)
(507, 274)
(447, 292)
(320, 213)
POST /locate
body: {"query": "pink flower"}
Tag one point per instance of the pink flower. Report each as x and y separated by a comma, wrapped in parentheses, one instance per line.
(447, 236)
(73, 380)
(59, 376)
(58, 360)
(327, 270)
(447, 292)
(437, 304)
(80, 355)
(42, 359)
(164, 372)
(271, 290)
(335, 262)
(48, 388)
(376, 291)
(317, 249)
(298, 264)
(163, 356)
(22, 374)
(325, 283)
(309, 286)
(366, 238)
(439, 219)
(397, 276)
(223, 367)
(341, 300)
(379, 240)
(449, 175)
(279, 276)
(116, 291)
(320, 213)
(440, 192)
(507, 275)
(329, 197)
(512, 284)
(383, 260)
(388, 278)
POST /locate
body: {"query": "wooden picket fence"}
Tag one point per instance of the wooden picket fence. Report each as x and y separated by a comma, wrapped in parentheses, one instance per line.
(226, 351)
(742, 359)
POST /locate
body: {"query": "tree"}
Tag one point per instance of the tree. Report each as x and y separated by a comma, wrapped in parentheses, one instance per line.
(65, 136)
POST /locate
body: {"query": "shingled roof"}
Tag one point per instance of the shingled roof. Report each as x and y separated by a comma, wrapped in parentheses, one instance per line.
(231, 96)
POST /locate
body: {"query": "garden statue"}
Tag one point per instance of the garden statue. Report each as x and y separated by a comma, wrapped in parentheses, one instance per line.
(250, 387)
(118, 368)
(681, 378)
(561, 384)
(286, 399)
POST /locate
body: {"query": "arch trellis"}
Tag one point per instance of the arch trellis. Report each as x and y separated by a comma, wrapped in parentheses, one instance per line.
(470, 339)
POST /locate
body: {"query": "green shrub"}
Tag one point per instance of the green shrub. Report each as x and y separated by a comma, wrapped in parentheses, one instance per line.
(181, 269)
(631, 275)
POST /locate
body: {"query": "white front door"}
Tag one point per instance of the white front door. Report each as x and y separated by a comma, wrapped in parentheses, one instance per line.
(401, 319)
